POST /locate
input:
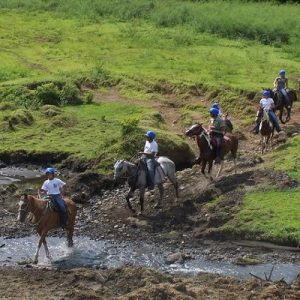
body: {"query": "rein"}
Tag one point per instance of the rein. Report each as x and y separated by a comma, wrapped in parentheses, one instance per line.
(205, 135)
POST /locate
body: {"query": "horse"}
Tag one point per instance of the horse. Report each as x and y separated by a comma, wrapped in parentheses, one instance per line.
(280, 103)
(136, 175)
(266, 130)
(207, 153)
(45, 219)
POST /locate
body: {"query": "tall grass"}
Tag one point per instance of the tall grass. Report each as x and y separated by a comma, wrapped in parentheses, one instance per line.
(267, 22)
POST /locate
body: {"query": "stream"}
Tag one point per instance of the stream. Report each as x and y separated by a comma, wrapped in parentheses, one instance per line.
(106, 254)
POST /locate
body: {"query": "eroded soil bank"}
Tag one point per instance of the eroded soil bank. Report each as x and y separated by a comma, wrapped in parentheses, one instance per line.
(134, 284)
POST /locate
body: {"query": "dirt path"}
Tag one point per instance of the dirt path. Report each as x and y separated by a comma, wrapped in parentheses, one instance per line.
(134, 284)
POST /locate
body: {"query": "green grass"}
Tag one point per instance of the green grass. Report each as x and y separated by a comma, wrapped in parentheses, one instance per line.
(57, 43)
(286, 158)
(270, 215)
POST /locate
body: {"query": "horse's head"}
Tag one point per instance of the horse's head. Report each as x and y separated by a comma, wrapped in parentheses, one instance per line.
(195, 129)
(119, 169)
(23, 206)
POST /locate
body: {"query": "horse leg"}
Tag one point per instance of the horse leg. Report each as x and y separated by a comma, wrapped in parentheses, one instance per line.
(172, 178)
(281, 115)
(46, 249)
(70, 232)
(210, 164)
(161, 194)
(142, 195)
(220, 169)
(129, 195)
(42, 238)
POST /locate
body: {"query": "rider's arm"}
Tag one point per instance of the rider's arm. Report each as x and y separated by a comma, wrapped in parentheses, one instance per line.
(149, 155)
(275, 82)
(63, 189)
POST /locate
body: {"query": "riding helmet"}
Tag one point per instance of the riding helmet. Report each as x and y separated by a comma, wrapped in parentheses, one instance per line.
(266, 93)
(215, 105)
(50, 170)
(282, 72)
(214, 111)
(150, 134)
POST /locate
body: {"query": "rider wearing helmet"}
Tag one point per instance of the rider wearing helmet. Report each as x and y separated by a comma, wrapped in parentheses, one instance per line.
(281, 85)
(216, 129)
(55, 188)
(217, 106)
(149, 154)
(266, 103)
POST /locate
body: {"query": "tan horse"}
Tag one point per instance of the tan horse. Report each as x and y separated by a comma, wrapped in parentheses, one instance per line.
(46, 219)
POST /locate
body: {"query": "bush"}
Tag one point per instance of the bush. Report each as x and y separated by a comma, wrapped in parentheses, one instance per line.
(48, 94)
(129, 126)
(7, 106)
(50, 111)
(20, 117)
(63, 121)
(70, 94)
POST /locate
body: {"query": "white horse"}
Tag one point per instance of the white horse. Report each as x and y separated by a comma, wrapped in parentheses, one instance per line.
(136, 176)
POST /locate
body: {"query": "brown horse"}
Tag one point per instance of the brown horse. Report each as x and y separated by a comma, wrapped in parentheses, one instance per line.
(266, 130)
(207, 151)
(45, 219)
(280, 103)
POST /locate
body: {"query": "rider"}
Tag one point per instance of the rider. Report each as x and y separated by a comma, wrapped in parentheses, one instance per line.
(55, 188)
(217, 106)
(281, 85)
(149, 154)
(267, 103)
(216, 129)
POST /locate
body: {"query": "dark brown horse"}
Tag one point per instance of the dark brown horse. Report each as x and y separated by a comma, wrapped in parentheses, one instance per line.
(266, 130)
(281, 105)
(45, 219)
(207, 152)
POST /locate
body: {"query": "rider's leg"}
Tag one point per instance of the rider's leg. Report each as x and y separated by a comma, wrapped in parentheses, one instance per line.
(60, 204)
(286, 97)
(257, 121)
(151, 171)
(274, 120)
(219, 139)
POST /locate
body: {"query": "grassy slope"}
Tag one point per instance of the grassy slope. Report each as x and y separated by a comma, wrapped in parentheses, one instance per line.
(272, 214)
(47, 44)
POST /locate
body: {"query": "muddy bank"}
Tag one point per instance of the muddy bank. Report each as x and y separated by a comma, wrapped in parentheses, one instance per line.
(135, 283)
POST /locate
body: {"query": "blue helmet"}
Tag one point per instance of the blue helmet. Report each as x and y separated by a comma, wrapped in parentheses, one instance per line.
(215, 105)
(266, 93)
(214, 111)
(282, 72)
(50, 170)
(150, 134)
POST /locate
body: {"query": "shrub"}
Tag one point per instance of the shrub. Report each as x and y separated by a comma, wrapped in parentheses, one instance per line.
(20, 117)
(129, 125)
(63, 121)
(48, 94)
(50, 111)
(7, 106)
(70, 94)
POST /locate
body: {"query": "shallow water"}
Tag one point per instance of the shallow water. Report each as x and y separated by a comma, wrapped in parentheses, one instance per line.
(9, 175)
(99, 254)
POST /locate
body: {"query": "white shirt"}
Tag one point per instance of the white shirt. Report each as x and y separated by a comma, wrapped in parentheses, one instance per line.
(52, 187)
(266, 103)
(151, 147)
